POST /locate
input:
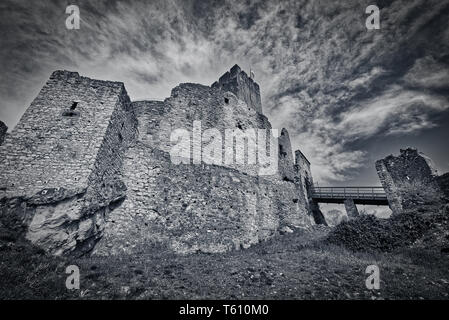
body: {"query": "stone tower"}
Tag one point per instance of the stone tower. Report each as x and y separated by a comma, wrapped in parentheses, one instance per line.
(61, 165)
(3, 129)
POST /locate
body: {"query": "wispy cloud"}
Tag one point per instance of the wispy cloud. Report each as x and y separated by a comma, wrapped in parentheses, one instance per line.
(325, 77)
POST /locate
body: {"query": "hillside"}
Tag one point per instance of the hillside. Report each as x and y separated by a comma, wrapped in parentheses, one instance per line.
(304, 264)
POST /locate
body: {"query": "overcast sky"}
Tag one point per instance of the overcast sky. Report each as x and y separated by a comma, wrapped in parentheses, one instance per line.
(348, 96)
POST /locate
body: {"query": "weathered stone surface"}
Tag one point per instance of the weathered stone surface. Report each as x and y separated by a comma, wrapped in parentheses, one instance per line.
(3, 129)
(87, 168)
(286, 165)
(305, 185)
(408, 179)
(334, 217)
(194, 207)
(201, 207)
(443, 182)
(351, 208)
(65, 167)
(238, 82)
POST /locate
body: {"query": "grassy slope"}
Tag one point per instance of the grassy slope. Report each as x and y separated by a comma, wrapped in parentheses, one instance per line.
(294, 266)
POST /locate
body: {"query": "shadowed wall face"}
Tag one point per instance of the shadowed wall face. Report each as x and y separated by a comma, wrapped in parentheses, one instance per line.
(60, 167)
(82, 146)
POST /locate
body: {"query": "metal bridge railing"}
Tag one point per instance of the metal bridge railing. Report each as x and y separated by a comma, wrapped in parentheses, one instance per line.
(368, 193)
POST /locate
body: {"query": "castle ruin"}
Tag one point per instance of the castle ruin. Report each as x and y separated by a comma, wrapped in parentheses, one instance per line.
(87, 170)
(409, 179)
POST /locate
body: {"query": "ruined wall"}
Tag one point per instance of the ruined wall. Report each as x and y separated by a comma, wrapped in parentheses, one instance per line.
(194, 208)
(351, 208)
(3, 129)
(87, 168)
(212, 108)
(61, 165)
(408, 179)
(238, 82)
(302, 167)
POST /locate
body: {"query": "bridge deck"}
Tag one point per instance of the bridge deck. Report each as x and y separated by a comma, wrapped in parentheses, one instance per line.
(360, 195)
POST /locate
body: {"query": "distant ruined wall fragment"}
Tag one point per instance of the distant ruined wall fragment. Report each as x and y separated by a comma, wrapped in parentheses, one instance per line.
(408, 179)
(3, 129)
(351, 208)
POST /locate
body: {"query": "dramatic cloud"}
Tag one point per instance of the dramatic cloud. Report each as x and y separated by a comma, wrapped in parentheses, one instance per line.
(332, 83)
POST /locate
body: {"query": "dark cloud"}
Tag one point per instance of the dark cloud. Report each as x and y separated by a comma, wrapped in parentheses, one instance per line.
(336, 86)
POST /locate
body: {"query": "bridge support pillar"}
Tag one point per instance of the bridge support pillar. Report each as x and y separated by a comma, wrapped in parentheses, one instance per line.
(351, 208)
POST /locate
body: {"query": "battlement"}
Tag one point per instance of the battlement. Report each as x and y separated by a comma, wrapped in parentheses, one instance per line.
(238, 82)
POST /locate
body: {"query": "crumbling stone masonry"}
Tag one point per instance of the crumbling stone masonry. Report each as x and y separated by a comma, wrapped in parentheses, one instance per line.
(238, 82)
(408, 179)
(86, 170)
(60, 166)
(3, 129)
(443, 182)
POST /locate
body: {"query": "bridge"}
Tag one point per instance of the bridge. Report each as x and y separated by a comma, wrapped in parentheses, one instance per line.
(360, 195)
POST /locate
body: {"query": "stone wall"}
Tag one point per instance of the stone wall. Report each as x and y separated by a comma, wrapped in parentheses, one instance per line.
(238, 82)
(443, 182)
(408, 179)
(3, 129)
(194, 208)
(303, 168)
(196, 108)
(61, 165)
